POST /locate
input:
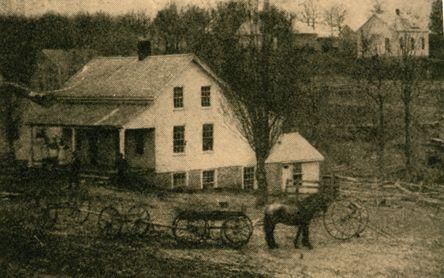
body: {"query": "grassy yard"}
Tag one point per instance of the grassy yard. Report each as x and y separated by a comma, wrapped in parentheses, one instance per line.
(415, 250)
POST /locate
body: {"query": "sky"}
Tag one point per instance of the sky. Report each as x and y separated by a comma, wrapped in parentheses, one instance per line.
(358, 10)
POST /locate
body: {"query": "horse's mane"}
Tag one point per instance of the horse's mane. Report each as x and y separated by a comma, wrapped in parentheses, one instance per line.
(316, 202)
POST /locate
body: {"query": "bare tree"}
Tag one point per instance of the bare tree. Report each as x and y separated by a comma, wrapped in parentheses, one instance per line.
(310, 13)
(263, 84)
(377, 7)
(335, 16)
(411, 74)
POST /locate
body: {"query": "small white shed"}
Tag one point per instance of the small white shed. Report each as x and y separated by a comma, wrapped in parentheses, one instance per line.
(299, 162)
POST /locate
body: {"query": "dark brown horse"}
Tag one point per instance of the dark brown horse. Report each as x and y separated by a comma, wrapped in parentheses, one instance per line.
(299, 215)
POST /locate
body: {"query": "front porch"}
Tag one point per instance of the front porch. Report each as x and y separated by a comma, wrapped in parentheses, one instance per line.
(97, 147)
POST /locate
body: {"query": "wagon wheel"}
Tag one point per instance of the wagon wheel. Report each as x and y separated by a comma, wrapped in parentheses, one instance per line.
(189, 230)
(344, 220)
(236, 231)
(110, 221)
(363, 217)
(80, 211)
(139, 220)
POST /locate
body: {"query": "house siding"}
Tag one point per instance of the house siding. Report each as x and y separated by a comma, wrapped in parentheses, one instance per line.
(229, 149)
(230, 177)
(379, 31)
(274, 176)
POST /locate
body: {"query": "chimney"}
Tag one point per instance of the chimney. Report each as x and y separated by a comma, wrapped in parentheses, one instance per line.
(143, 49)
(398, 12)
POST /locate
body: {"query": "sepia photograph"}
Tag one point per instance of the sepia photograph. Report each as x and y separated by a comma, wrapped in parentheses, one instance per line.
(221, 138)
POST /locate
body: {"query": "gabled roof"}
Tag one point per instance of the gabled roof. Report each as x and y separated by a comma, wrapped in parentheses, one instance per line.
(400, 23)
(127, 77)
(292, 147)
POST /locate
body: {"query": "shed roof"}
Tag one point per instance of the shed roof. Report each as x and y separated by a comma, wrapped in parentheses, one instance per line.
(126, 76)
(292, 147)
(70, 114)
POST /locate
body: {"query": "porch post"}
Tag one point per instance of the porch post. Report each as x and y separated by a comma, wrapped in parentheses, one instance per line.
(73, 139)
(122, 141)
(31, 150)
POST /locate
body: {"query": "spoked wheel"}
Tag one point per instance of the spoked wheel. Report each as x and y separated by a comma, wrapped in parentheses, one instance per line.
(189, 231)
(139, 221)
(345, 219)
(236, 231)
(110, 222)
(80, 211)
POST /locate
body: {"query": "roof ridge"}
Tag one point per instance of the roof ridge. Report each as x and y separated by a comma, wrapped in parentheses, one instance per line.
(156, 56)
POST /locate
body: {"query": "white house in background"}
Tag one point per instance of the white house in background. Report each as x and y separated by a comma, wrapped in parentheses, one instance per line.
(393, 34)
(164, 114)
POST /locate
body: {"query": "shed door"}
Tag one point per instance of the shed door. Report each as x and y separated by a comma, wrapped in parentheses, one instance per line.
(287, 176)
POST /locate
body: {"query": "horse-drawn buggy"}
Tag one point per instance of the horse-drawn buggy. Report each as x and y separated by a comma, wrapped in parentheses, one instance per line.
(231, 228)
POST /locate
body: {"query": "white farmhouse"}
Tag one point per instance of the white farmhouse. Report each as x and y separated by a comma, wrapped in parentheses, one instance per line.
(393, 35)
(165, 115)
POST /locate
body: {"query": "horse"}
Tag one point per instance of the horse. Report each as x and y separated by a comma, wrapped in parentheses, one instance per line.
(299, 215)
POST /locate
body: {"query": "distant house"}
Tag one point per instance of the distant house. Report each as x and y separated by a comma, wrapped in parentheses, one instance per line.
(55, 66)
(393, 35)
(164, 115)
(318, 37)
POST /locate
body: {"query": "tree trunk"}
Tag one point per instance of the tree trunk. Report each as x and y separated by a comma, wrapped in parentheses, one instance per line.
(261, 177)
(407, 129)
(381, 139)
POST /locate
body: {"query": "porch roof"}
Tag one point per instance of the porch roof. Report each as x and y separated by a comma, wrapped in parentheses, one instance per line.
(292, 147)
(75, 114)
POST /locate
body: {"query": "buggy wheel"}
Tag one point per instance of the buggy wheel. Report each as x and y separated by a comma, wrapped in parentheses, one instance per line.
(343, 220)
(188, 230)
(236, 231)
(139, 220)
(80, 211)
(110, 221)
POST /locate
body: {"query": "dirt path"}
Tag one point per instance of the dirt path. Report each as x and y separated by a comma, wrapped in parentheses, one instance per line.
(416, 251)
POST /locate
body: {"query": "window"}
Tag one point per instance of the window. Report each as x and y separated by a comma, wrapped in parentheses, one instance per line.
(208, 179)
(40, 133)
(178, 97)
(412, 43)
(422, 43)
(179, 179)
(248, 178)
(401, 43)
(205, 96)
(140, 141)
(179, 139)
(297, 174)
(388, 47)
(207, 137)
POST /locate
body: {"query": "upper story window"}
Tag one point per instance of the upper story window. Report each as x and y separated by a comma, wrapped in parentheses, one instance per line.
(205, 96)
(207, 137)
(178, 97)
(401, 43)
(179, 139)
(388, 47)
(422, 43)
